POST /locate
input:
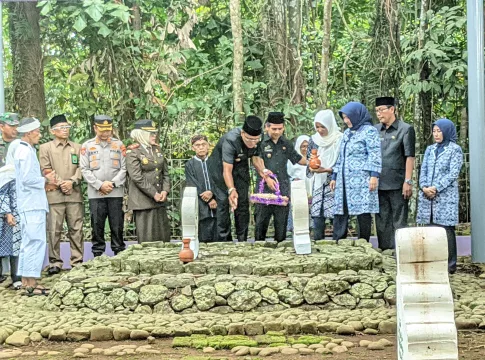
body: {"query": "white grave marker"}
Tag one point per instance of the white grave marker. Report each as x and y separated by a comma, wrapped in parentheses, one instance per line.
(299, 212)
(190, 218)
(425, 316)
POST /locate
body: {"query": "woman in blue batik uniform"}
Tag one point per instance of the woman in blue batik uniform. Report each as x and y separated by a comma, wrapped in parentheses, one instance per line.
(355, 175)
(438, 182)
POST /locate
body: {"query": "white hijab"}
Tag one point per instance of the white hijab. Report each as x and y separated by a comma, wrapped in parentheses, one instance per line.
(297, 171)
(328, 146)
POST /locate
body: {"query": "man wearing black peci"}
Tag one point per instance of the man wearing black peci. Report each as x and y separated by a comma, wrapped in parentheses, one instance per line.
(395, 183)
(229, 166)
(276, 150)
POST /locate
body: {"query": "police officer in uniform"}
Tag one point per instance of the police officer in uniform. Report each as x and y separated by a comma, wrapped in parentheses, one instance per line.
(65, 197)
(277, 150)
(229, 165)
(395, 183)
(148, 184)
(102, 163)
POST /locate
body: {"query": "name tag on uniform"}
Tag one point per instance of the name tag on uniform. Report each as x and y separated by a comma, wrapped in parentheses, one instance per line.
(74, 159)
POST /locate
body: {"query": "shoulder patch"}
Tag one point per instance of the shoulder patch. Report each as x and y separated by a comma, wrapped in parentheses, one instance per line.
(123, 149)
(133, 146)
(83, 150)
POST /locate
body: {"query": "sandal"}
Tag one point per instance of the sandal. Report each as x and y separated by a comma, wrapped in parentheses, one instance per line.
(30, 291)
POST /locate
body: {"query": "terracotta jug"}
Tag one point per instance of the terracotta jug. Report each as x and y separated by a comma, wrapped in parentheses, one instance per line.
(315, 162)
(186, 255)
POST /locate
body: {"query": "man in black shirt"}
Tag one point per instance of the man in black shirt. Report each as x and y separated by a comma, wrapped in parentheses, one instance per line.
(229, 166)
(277, 150)
(395, 183)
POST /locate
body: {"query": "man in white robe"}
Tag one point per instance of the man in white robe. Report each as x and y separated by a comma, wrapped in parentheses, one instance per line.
(32, 206)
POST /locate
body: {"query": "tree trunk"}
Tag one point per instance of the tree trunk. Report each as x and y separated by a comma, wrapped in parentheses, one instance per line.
(324, 68)
(238, 61)
(422, 111)
(275, 52)
(28, 68)
(297, 85)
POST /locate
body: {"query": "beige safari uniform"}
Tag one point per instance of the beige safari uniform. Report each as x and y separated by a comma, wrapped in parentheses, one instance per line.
(63, 158)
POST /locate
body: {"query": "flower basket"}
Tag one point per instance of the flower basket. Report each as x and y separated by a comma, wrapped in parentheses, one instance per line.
(269, 199)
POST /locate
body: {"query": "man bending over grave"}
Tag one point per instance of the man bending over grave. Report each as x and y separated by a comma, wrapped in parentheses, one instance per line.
(229, 165)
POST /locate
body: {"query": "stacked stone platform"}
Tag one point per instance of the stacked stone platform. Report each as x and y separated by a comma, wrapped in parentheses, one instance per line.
(228, 278)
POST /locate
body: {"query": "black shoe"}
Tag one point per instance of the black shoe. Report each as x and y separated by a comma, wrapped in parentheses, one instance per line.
(54, 270)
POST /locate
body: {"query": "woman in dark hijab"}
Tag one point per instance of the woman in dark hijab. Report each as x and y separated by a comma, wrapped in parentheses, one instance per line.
(355, 175)
(438, 182)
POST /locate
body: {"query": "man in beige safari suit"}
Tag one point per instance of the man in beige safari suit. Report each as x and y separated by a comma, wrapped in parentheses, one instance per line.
(64, 197)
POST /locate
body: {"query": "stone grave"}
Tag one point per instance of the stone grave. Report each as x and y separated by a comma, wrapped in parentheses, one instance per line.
(227, 278)
(425, 309)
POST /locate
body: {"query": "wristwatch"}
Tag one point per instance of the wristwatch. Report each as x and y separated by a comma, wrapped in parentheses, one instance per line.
(229, 191)
(409, 182)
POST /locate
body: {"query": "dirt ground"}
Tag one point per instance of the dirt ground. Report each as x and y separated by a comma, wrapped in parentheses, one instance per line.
(471, 347)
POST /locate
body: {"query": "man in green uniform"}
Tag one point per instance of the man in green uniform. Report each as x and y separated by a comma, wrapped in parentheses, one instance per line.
(8, 127)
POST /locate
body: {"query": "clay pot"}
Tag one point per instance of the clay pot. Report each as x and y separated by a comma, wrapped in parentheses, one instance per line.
(186, 255)
(315, 162)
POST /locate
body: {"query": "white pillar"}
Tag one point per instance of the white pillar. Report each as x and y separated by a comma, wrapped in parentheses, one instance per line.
(425, 313)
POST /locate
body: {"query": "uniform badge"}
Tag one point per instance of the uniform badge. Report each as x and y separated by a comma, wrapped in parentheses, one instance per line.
(267, 148)
(92, 148)
(83, 151)
(115, 163)
(144, 161)
(74, 159)
(123, 150)
(114, 146)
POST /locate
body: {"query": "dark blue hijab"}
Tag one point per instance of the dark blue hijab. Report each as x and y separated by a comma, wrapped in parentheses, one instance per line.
(448, 130)
(357, 113)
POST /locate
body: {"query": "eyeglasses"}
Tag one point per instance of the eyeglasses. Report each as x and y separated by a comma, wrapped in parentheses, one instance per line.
(382, 109)
(64, 127)
(255, 141)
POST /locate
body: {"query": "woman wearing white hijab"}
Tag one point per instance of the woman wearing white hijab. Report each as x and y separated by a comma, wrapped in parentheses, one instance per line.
(327, 142)
(297, 171)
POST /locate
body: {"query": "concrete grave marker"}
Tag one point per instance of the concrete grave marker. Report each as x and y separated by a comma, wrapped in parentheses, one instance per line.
(190, 218)
(299, 212)
(425, 313)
